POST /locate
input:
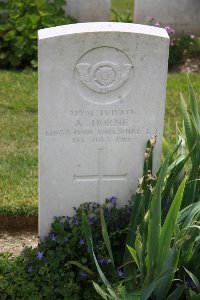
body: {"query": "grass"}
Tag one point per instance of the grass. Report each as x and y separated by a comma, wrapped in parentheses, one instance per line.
(18, 144)
(124, 8)
(177, 83)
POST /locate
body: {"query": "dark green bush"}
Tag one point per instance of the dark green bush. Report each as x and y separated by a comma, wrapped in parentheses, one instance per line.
(19, 22)
(183, 46)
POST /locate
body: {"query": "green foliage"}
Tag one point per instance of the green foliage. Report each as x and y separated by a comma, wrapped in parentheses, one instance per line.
(173, 114)
(188, 154)
(118, 17)
(122, 10)
(61, 268)
(157, 259)
(163, 241)
(183, 46)
(19, 25)
(192, 134)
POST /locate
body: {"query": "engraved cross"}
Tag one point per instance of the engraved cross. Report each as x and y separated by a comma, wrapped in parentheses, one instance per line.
(100, 177)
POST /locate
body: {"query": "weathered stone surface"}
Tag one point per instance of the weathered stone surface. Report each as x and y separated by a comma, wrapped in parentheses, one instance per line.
(89, 10)
(182, 15)
(101, 96)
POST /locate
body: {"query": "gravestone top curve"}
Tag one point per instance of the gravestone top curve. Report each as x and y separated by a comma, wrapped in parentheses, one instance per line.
(101, 27)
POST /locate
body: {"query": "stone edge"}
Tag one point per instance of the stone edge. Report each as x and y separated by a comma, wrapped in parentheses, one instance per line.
(93, 27)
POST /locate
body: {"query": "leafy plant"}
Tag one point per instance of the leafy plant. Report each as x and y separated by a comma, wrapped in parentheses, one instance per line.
(18, 28)
(188, 153)
(118, 17)
(192, 134)
(163, 243)
(156, 247)
(61, 268)
(181, 46)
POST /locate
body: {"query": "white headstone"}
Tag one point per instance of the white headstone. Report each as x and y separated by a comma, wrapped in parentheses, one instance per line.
(182, 15)
(89, 10)
(101, 97)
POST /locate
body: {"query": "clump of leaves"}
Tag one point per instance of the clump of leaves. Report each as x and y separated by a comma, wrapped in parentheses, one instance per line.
(163, 241)
(61, 266)
(19, 22)
(181, 45)
(157, 246)
(118, 17)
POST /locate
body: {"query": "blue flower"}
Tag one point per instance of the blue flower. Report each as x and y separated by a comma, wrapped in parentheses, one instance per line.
(190, 283)
(113, 200)
(40, 255)
(30, 269)
(101, 260)
(75, 222)
(120, 274)
(83, 275)
(53, 237)
(82, 242)
(91, 220)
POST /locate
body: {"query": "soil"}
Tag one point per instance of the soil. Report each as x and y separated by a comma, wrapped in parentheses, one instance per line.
(14, 242)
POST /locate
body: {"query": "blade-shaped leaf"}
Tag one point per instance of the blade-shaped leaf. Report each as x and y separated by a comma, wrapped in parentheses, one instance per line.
(194, 279)
(169, 226)
(146, 293)
(165, 147)
(193, 103)
(189, 214)
(135, 219)
(88, 235)
(129, 295)
(176, 294)
(101, 274)
(80, 266)
(169, 270)
(106, 237)
(155, 220)
(134, 255)
(188, 126)
(113, 294)
(101, 292)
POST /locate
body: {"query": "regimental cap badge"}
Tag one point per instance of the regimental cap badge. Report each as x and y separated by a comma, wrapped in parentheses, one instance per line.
(104, 76)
